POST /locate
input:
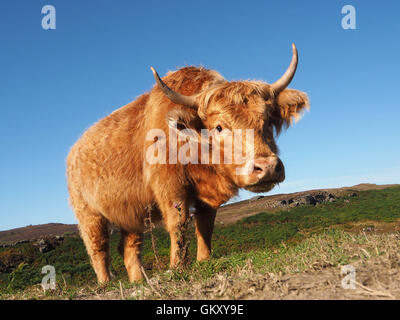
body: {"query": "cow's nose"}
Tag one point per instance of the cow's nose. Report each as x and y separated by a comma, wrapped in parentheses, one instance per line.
(270, 167)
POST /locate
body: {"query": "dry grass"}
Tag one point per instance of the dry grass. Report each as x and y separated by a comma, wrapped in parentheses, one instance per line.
(294, 254)
(308, 270)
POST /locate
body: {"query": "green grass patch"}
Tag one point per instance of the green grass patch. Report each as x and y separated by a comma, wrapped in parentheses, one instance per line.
(265, 238)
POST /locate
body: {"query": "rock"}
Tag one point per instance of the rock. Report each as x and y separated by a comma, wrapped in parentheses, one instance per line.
(44, 246)
(47, 244)
(21, 242)
(320, 197)
(368, 229)
(310, 200)
(256, 198)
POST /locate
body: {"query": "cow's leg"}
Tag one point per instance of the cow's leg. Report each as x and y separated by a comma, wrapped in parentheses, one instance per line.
(130, 248)
(175, 214)
(205, 218)
(95, 234)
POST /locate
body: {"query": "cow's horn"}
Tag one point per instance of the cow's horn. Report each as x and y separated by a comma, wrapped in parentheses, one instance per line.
(284, 81)
(188, 101)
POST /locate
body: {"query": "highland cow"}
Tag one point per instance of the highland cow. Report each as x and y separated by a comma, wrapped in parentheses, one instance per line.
(111, 181)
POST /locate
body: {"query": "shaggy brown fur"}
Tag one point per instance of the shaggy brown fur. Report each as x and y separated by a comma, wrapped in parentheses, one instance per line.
(109, 180)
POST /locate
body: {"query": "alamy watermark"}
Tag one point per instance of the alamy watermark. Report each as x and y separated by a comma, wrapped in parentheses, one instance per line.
(349, 279)
(349, 20)
(189, 146)
(49, 20)
(49, 280)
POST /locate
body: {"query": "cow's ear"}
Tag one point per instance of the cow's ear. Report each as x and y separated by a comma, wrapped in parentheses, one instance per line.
(289, 106)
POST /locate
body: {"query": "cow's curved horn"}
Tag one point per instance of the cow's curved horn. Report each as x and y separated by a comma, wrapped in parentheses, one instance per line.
(284, 81)
(175, 97)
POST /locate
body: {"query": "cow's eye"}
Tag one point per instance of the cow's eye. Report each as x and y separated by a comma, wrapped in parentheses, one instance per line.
(219, 128)
(180, 126)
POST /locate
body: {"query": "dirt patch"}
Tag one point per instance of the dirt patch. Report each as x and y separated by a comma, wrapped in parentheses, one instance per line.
(375, 279)
(374, 227)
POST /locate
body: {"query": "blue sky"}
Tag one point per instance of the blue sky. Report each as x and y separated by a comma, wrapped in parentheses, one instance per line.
(56, 83)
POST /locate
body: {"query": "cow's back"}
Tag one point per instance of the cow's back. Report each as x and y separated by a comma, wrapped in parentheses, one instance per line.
(104, 167)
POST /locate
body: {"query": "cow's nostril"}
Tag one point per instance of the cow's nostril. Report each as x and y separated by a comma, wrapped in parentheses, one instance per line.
(258, 169)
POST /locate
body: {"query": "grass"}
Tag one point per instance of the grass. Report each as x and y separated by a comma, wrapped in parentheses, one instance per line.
(287, 241)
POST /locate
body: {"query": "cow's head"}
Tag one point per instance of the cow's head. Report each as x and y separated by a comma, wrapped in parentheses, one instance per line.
(265, 108)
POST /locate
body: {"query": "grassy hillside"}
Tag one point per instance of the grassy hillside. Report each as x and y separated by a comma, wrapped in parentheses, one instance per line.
(35, 232)
(268, 239)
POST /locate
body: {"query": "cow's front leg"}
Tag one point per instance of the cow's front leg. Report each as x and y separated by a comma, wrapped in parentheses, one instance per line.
(175, 215)
(130, 248)
(205, 218)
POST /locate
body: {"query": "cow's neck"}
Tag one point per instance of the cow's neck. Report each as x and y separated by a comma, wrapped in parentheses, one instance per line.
(212, 187)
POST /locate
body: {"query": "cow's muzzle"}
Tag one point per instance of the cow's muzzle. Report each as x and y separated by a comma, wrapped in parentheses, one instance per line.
(264, 173)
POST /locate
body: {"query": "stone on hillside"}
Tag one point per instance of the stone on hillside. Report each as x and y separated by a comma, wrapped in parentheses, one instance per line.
(47, 244)
(310, 200)
(320, 197)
